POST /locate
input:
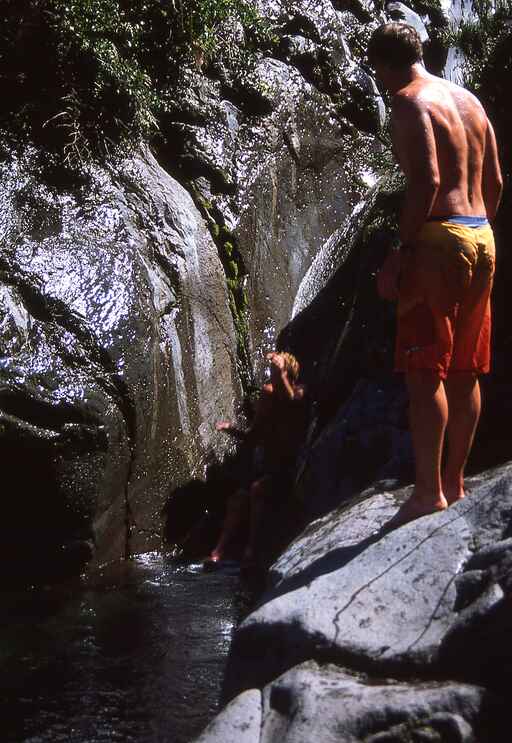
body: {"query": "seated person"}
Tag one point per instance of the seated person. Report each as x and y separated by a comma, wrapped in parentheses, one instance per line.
(276, 433)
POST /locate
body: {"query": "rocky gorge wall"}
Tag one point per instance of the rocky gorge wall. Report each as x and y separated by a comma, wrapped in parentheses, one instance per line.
(139, 295)
(138, 300)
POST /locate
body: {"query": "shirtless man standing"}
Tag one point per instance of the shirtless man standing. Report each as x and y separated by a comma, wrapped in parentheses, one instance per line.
(447, 150)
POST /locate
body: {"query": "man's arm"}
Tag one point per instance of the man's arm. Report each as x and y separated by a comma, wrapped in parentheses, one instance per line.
(492, 181)
(415, 147)
(388, 276)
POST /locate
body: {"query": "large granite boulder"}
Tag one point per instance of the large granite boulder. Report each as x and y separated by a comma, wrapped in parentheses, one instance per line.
(406, 602)
(312, 702)
(118, 354)
(397, 637)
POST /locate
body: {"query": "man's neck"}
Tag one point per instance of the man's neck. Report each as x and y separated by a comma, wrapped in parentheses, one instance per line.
(401, 78)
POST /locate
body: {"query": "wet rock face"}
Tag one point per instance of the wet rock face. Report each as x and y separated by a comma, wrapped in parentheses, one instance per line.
(298, 191)
(118, 353)
(280, 154)
(118, 348)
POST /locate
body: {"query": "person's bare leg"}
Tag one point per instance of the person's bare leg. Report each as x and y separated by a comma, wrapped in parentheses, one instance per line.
(428, 415)
(464, 406)
(232, 522)
(257, 502)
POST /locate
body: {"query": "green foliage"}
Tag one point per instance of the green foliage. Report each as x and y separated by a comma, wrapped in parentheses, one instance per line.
(478, 37)
(211, 25)
(86, 74)
(236, 282)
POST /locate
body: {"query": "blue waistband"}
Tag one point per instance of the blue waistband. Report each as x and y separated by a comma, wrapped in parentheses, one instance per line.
(459, 219)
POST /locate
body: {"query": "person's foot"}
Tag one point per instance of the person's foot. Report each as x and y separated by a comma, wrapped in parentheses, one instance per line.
(453, 490)
(414, 508)
(454, 496)
(212, 562)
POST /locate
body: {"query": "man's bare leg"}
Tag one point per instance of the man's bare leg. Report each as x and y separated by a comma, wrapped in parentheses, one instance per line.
(464, 406)
(428, 415)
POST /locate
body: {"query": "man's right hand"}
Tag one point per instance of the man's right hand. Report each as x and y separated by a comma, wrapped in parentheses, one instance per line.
(388, 277)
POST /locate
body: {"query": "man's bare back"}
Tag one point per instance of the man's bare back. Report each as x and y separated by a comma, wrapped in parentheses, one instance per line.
(446, 146)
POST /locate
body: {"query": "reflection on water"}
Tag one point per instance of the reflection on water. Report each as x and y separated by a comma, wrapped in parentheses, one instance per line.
(138, 655)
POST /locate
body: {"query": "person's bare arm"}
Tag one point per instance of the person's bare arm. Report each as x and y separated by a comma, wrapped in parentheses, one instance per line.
(492, 181)
(231, 430)
(255, 432)
(415, 147)
(285, 388)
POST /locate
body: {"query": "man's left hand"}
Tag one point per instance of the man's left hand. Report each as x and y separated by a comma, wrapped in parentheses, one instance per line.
(388, 276)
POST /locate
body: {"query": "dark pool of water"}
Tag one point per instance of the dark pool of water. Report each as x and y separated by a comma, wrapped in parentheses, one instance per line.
(136, 655)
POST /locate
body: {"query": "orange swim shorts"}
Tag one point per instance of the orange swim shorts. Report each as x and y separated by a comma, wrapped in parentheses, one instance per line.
(444, 314)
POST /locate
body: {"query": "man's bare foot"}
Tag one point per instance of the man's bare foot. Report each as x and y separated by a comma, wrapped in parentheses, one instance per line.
(453, 497)
(414, 508)
(453, 490)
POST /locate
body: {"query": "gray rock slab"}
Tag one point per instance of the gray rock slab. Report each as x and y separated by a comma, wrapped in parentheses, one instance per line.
(239, 721)
(349, 530)
(399, 12)
(389, 604)
(326, 704)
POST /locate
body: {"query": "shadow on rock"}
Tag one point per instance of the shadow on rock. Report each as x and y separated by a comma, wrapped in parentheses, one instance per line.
(328, 563)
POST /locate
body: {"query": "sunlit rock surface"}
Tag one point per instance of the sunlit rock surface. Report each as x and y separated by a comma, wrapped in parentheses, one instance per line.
(399, 12)
(298, 192)
(240, 722)
(406, 602)
(118, 354)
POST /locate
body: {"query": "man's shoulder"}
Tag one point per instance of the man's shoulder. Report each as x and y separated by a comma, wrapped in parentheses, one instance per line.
(407, 103)
(429, 93)
(462, 95)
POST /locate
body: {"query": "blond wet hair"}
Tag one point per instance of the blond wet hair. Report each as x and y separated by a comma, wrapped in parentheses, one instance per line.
(291, 365)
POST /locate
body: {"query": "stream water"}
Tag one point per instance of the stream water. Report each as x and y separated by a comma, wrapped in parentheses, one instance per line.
(136, 654)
